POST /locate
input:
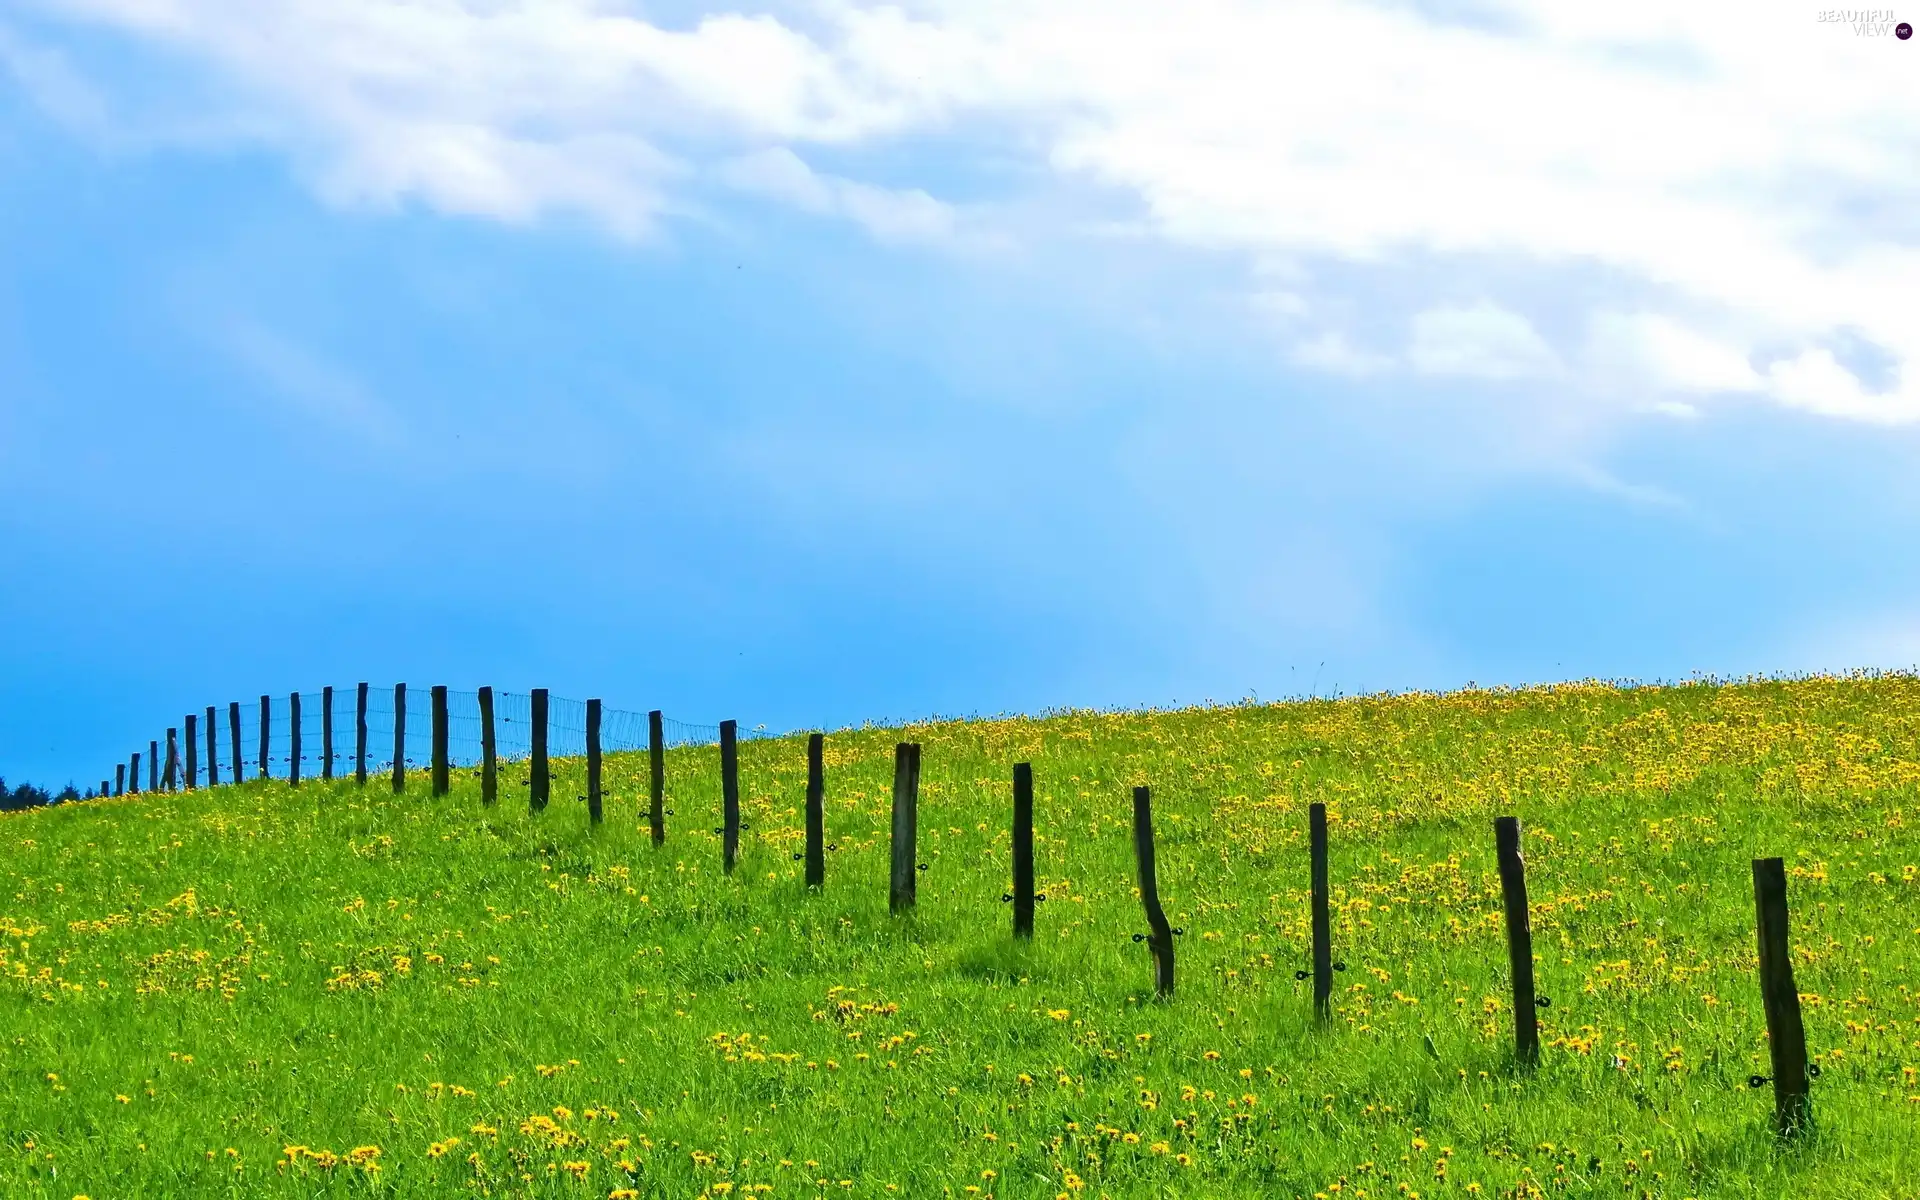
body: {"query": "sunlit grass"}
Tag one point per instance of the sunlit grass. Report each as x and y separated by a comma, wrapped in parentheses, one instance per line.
(268, 991)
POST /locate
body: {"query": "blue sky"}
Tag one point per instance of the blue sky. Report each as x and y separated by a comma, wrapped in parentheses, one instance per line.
(815, 363)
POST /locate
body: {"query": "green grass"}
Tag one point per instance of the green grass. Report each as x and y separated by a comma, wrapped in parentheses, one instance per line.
(194, 983)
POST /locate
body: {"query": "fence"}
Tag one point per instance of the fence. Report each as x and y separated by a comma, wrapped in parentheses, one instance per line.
(378, 733)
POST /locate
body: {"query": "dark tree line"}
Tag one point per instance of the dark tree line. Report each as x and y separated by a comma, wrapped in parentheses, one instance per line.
(29, 796)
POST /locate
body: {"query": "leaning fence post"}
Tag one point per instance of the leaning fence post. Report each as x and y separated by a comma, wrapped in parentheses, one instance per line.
(399, 738)
(293, 739)
(593, 761)
(173, 759)
(190, 776)
(213, 746)
(266, 714)
(1160, 941)
(538, 779)
(489, 763)
(1322, 919)
(1786, 1035)
(326, 733)
(233, 730)
(906, 824)
(153, 765)
(440, 739)
(1023, 850)
(1513, 889)
(816, 811)
(729, 793)
(360, 736)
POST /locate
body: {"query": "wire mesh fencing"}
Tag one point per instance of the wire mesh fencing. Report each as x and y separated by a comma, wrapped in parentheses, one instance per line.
(338, 734)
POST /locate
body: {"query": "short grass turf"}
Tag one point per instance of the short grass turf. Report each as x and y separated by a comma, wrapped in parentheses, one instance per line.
(331, 991)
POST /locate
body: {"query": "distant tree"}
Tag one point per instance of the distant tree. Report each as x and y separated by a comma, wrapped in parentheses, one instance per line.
(24, 796)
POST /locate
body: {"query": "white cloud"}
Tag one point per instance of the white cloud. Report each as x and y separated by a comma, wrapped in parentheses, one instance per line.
(891, 216)
(1332, 352)
(1735, 176)
(306, 382)
(1659, 351)
(1481, 341)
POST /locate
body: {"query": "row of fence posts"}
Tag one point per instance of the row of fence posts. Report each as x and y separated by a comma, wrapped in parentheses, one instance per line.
(1792, 1071)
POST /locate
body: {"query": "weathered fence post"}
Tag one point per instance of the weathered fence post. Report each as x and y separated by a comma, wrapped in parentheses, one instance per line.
(120, 779)
(489, 762)
(266, 714)
(1322, 919)
(191, 775)
(103, 787)
(1160, 941)
(440, 783)
(538, 780)
(906, 826)
(213, 746)
(657, 792)
(173, 759)
(133, 773)
(1023, 850)
(360, 736)
(399, 738)
(593, 761)
(326, 733)
(1786, 1036)
(153, 766)
(233, 730)
(293, 739)
(1513, 889)
(816, 811)
(729, 793)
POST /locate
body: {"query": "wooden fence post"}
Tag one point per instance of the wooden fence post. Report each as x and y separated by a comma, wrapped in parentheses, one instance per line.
(901, 892)
(293, 739)
(173, 759)
(191, 775)
(489, 762)
(539, 782)
(266, 714)
(153, 766)
(1786, 1036)
(657, 762)
(1022, 894)
(103, 787)
(133, 773)
(729, 793)
(360, 736)
(1513, 889)
(213, 746)
(1160, 941)
(1322, 918)
(593, 761)
(399, 738)
(233, 729)
(816, 811)
(326, 733)
(440, 783)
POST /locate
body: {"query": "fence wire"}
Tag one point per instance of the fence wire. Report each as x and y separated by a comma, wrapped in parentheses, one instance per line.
(239, 757)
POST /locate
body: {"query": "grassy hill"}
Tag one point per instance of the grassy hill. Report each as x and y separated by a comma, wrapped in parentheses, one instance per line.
(267, 991)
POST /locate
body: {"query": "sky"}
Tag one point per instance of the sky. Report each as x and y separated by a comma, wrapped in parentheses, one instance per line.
(816, 363)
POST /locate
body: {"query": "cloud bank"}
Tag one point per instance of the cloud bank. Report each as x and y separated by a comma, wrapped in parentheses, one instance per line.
(1678, 204)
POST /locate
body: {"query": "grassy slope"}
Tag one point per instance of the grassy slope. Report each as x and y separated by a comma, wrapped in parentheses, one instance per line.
(193, 983)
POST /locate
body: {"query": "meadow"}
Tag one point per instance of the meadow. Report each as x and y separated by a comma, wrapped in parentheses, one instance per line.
(259, 990)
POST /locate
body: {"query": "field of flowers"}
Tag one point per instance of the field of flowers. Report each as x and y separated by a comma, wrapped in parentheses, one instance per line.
(268, 991)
